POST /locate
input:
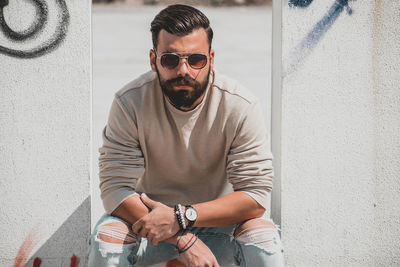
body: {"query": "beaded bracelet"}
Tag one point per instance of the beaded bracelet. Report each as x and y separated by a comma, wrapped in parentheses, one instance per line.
(185, 249)
(179, 216)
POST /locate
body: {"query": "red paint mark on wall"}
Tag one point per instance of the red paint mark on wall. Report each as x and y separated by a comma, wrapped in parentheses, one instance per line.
(24, 250)
(74, 261)
(23, 253)
(37, 262)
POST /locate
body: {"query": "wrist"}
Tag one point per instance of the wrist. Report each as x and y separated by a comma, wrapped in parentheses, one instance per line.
(178, 238)
(174, 239)
(185, 240)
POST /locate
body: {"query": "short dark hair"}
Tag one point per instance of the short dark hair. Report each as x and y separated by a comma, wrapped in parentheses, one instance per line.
(180, 20)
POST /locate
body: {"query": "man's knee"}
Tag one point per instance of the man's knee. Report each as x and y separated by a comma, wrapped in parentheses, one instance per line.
(116, 232)
(260, 233)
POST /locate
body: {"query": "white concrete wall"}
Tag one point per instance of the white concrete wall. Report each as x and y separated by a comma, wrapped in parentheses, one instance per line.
(340, 143)
(45, 135)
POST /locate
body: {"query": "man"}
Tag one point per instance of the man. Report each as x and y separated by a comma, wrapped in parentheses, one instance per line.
(185, 167)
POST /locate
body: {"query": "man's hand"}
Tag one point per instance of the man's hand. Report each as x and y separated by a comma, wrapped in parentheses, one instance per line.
(159, 225)
(199, 255)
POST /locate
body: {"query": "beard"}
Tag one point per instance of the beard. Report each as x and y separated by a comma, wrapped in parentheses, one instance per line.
(183, 98)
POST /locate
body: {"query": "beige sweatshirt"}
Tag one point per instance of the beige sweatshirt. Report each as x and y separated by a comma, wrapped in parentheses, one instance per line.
(184, 157)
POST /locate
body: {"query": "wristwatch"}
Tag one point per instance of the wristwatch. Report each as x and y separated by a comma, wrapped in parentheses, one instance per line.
(190, 215)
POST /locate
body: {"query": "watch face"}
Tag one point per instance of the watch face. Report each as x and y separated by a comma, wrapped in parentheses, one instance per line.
(191, 214)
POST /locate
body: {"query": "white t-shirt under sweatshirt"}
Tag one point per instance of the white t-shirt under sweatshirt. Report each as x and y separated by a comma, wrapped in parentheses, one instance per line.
(184, 157)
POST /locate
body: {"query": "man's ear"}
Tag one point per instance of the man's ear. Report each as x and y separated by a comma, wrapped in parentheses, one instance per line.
(153, 59)
(212, 53)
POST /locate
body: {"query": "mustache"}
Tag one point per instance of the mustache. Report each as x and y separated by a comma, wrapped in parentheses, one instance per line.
(183, 80)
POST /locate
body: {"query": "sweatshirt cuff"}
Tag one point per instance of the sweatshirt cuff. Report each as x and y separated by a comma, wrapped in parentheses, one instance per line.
(113, 199)
(260, 197)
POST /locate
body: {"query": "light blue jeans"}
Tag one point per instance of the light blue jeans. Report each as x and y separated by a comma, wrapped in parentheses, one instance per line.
(256, 247)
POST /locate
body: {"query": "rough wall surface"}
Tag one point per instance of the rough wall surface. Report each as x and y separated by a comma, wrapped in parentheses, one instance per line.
(44, 132)
(340, 142)
(386, 92)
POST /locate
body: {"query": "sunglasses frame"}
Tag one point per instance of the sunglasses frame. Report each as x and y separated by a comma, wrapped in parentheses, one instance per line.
(180, 58)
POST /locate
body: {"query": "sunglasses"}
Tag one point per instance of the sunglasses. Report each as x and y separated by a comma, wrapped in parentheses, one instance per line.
(171, 60)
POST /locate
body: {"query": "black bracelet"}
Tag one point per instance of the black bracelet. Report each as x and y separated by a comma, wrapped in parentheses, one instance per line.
(180, 252)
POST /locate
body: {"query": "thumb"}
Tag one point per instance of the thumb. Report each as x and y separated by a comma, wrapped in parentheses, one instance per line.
(151, 204)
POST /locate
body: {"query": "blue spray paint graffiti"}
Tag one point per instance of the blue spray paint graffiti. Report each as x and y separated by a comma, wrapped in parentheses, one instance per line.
(300, 3)
(37, 27)
(305, 47)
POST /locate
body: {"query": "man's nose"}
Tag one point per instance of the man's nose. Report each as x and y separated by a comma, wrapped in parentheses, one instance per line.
(183, 67)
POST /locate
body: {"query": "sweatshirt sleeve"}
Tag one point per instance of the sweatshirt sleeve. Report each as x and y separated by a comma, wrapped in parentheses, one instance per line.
(121, 161)
(249, 163)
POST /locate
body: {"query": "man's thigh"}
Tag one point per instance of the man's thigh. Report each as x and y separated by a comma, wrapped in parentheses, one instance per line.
(220, 241)
(113, 243)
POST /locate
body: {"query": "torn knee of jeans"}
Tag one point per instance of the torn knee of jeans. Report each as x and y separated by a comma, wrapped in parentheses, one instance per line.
(260, 233)
(116, 232)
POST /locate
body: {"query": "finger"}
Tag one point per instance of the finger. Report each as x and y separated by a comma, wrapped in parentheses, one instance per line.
(138, 231)
(137, 226)
(147, 201)
(143, 233)
(152, 239)
(155, 240)
(215, 263)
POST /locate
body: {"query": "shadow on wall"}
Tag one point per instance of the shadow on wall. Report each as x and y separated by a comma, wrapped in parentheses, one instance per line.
(68, 246)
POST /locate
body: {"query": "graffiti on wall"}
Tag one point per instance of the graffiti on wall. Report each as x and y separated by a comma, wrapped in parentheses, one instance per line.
(37, 27)
(309, 42)
(300, 3)
(26, 248)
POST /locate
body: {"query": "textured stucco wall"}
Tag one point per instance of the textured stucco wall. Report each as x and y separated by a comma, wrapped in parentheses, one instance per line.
(45, 134)
(386, 93)
(340, 142)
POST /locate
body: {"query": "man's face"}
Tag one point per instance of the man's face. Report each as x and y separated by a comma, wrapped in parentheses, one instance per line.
(183, 85)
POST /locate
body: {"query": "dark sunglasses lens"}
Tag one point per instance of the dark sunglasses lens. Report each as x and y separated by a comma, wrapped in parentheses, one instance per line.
(197, 61)
(169, 61)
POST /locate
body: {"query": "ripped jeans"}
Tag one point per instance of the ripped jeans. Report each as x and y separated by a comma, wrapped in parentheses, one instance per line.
(255, 246)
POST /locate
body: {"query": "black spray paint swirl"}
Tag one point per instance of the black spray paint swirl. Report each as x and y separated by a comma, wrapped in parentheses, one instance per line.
(37, 26)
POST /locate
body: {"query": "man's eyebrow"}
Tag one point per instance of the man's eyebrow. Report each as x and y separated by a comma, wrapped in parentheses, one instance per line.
(167, 51)
(181, 53)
